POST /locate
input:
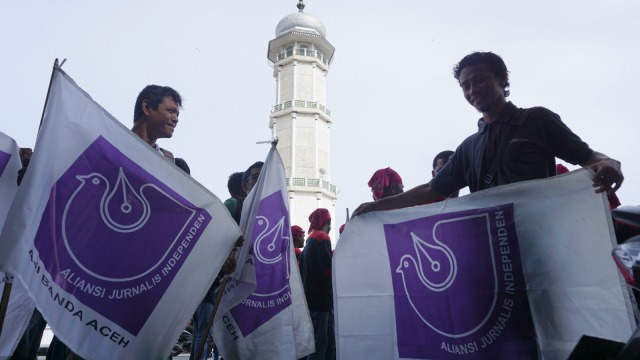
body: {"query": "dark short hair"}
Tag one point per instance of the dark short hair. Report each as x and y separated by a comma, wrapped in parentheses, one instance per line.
(494, 62)
(234, 184)
(154, 94)
(255, 165)
(183, 165)
(441, 155)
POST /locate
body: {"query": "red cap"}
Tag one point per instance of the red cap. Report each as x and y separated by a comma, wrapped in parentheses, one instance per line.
(296, 230)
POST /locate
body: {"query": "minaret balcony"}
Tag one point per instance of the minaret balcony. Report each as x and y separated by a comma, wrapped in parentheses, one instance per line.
(311, 184)
(301, 104)
(303, 52)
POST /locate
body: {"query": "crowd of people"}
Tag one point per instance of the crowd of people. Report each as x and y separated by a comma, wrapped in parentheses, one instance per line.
(512, 144)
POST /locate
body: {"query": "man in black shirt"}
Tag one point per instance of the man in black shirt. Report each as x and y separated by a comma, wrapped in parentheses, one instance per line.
(511, 145)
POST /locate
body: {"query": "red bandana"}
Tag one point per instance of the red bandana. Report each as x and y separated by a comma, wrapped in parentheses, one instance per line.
(382, 179)
(318, 218)
(296, 230)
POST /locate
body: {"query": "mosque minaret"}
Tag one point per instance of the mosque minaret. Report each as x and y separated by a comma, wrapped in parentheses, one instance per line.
(300, 119)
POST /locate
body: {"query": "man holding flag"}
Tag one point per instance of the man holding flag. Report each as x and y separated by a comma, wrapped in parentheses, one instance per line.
(489, 275)
(512, 144)
(156, 115)
(109, 237)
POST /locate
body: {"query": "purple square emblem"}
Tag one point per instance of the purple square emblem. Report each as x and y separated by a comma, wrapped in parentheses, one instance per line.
(458, 287)
(270, 253)
(114, 236)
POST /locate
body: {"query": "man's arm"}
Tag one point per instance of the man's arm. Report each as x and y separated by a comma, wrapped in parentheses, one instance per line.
(420, 194)
(607, 172)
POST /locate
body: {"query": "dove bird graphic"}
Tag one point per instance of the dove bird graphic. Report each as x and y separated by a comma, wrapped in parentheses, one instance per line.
(428, 279)
(270, 248)
(431, 268)
(271, 242)
(144, 222)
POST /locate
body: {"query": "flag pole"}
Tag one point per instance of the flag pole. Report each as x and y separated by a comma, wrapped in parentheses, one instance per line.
(223, 285)
(4, 303)
(221, 288)
(56, 65)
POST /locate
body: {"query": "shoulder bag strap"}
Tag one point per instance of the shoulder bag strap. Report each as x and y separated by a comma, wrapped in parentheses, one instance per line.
(517, 120)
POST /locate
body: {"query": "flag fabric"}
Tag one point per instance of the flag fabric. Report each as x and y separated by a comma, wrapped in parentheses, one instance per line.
(19, 311)
(271, 321)
(9, 166)
(20, 305)
(514, 272)
(116, 245)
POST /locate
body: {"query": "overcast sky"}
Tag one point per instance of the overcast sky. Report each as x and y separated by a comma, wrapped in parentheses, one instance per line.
(393, 99)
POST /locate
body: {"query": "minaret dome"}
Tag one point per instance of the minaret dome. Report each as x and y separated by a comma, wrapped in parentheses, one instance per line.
(301, 22)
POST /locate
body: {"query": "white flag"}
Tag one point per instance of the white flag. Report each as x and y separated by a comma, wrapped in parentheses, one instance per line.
(19, 311)
(272, 321)
(20, 305)
(116, 245)
(514, 272)
(9, 166)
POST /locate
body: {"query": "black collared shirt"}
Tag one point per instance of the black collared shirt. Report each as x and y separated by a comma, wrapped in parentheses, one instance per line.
(530, 153)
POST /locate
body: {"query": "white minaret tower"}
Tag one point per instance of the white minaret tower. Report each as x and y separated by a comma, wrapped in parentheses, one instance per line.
(301, 56)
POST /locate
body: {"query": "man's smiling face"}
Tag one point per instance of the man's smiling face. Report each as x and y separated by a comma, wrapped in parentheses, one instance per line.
(162, 121)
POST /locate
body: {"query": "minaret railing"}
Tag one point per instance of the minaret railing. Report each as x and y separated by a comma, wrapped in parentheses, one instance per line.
(302, 104)
(302, 52)
(314, 183)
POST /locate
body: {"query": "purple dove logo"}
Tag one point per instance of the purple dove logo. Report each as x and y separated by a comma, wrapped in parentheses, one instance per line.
(4, 160)
(114, 236)
(458, 286)
(271, 255)
(124, 214)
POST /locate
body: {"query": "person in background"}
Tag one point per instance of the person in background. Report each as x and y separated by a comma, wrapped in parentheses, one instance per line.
(317, 282)
(384, 183)
(251, 175)
(234, 203)
(438, 163)
(182, 164)
(298, 240)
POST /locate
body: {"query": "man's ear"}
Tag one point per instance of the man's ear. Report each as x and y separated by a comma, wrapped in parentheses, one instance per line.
(503, 81)
(146, 107)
